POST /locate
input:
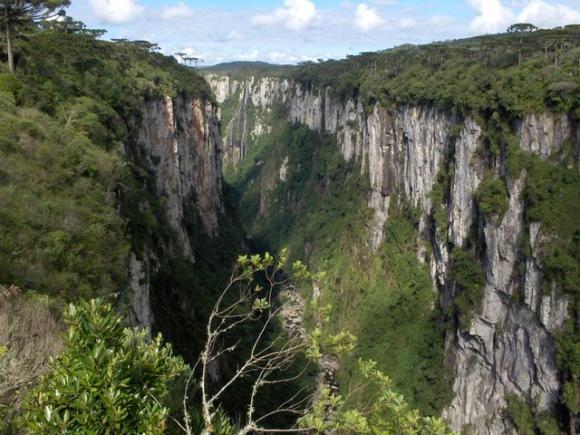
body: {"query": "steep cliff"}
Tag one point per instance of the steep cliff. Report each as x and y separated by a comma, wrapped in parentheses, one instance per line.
(441, 163)
(110, 187)
(141, 146)
(187, 246)
(179, 142)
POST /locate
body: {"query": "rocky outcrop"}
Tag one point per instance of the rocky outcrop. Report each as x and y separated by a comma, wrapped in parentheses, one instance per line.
(292, 319)
(177, 140)
(544, 134)
(509, 346)
(181, 139)
(251, 102)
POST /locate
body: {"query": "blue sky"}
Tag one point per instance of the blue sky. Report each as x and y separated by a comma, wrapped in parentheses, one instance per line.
(291, 31)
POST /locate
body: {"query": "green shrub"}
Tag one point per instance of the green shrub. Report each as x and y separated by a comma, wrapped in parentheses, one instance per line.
(470, 279)
(439, 197)
(10, 84)
(491, 196)
(109, 379)
(528, 422)
(520, 413)
(60, 232)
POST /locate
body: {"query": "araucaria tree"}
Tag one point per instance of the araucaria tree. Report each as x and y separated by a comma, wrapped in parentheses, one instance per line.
(18, 14)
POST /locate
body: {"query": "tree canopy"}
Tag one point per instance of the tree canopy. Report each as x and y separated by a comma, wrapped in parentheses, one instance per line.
(15, 14)
(521, 28)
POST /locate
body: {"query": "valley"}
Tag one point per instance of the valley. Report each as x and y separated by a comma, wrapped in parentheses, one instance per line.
(424, 201)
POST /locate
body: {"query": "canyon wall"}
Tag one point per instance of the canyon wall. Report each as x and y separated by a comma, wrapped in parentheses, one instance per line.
(177, 144)
(508, 345)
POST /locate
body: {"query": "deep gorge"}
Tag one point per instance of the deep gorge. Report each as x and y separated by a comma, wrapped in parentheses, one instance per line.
(444, 213)
(432, 161)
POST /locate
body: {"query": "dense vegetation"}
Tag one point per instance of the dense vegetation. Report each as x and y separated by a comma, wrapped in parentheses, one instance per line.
(108, 377)
(83, 105)
(59, 231)
(115, 379)
(319, 212)
(76, 193)
(470, 75)
(66, 119)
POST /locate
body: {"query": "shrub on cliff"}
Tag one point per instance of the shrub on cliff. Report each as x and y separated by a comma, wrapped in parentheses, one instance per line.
(491, 196)
(109, 380)
(59, 231)
(469, 277)
(30, 334)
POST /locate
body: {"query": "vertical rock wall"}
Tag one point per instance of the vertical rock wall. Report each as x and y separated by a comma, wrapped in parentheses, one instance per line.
(509, 346)
(178, 141)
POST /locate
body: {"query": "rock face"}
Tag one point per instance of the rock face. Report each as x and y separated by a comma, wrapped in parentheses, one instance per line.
(252, 101)
(509, 345)
(178, 141)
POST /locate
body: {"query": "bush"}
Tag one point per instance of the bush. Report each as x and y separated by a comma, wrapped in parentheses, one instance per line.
(57, 210)
(10, 84)
(491, 196)
(469, 278)
(30, 334)
(109, 380)
(520, 414)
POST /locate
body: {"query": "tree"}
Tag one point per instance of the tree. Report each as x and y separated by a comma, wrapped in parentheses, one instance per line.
(521, 29)
(68, 25)
(269, 360)
(15, 14)
(110, 379)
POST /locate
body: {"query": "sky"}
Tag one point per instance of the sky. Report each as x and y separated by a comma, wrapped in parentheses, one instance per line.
(293, 31)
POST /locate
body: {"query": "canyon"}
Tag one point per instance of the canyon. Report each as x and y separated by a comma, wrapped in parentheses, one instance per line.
(429, 191)
(508, 347)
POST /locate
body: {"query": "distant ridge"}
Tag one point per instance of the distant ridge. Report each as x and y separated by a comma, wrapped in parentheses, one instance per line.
(240, 66)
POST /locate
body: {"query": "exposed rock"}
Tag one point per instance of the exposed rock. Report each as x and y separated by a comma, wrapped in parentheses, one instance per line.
(544, 134)
(532, 279)
(283, 173)
(180, 136)
(179, 139)
(508, 347)
(140, 283)
(292, 314)
(467, 174)
(554, 310)
(257, 95)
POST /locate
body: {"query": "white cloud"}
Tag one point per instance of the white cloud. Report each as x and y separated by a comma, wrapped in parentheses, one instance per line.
(192, 52)
(233, 35)
(281, 57)
(178, 11)
(284, 57)
(366, 18)
(543, 14)
(492, 16)
(253, 55)
(296, 15)
(440, 20)
(406, 23)
(115, 11)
